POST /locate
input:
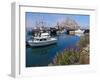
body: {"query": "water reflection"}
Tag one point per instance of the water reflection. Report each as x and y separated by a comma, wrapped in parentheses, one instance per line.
(42, 50)
(79, 35)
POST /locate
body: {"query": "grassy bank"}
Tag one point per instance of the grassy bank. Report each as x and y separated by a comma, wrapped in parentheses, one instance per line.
(80, 55)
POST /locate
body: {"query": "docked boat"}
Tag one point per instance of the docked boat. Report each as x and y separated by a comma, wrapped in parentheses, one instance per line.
(42, 40)
(79, 31)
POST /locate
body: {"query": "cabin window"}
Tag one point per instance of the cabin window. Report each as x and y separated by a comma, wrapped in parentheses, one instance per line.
(37, 39)
(42, 39)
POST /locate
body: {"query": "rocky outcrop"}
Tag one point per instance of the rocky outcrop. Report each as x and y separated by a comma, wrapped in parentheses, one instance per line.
(69, 23)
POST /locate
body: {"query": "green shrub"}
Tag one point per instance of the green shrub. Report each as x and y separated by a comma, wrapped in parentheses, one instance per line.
(66, 57)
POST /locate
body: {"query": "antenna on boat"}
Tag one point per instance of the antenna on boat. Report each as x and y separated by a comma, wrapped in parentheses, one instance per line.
(36, 24)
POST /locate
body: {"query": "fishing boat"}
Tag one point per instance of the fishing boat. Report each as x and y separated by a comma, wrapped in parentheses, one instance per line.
(42, 40)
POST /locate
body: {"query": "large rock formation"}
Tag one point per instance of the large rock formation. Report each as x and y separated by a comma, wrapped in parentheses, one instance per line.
(68, 23)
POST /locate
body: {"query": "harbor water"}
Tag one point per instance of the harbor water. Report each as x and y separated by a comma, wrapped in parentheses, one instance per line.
(42, 56)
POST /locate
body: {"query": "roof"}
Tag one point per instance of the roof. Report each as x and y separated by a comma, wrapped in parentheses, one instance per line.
(44, 34)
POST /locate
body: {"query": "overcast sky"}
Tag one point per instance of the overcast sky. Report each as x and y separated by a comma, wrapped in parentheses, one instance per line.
(51, 19)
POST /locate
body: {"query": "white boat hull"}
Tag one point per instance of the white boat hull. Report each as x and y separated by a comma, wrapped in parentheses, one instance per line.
(42, 43)
(79, 31)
